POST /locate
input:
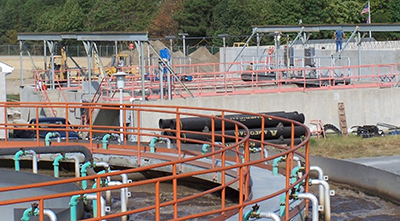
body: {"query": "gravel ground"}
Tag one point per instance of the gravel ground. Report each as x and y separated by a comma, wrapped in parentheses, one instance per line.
(14, 80)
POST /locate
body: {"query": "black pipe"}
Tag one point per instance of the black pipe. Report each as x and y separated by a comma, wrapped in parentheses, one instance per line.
(250, 121)
(255, 133)
(279, 141)
(165, 123)
(51, 149)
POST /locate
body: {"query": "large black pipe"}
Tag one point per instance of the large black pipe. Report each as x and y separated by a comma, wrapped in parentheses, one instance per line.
(51, 149)
(250, 121)
(279, 141)
(255, 133)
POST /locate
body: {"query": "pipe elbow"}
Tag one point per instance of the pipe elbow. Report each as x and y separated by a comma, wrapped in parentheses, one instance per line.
(57, 160)
(275, 164)
(18, 155)
(105, 138)
(276, 161)
(168, 142)
(74, 200)
(85, 166)
(32, 211)
(49, 135)
(26, 216)
(294, 172)
(204, 148)
(153, 142)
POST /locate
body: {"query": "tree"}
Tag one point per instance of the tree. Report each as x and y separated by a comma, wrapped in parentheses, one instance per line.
(196, 17)
(394, 10)
(122, 15)
(164, 24)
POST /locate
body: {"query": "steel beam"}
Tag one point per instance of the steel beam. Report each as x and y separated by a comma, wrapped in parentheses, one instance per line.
(95, 36)
(316, 28)
(139, 36)
(39, 37)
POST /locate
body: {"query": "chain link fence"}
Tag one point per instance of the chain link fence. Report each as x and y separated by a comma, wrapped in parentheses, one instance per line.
(79, 50)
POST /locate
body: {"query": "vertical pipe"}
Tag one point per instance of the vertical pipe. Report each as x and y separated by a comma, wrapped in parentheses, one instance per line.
(21, 53)
(327, 206)
(102, 203)
(17, 158)
(157, 196)
(52, 64)
(34, 160)
(123, 195)
(72, 207)
(369, 17)
(141, 52)
(314, 204)
(76, 162)
(121, 116)
(258, 46)
(56, 165)
(45, 54)
(359, 54)
(223, 39)
(320, 187)
(161, 79)
(169, 84)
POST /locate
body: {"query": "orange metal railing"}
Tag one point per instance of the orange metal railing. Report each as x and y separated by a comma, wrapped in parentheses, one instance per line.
(209, 79)
(233, 175)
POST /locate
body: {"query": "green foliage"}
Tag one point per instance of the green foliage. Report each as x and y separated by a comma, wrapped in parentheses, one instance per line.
(198, 18)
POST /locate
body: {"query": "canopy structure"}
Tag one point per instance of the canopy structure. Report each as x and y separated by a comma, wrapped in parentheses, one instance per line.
(88, 40)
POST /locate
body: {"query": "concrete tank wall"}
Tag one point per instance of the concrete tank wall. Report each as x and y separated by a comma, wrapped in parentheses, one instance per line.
(362, 106)
(371, 180)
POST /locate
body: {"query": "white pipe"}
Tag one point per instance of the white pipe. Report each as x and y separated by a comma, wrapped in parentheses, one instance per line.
(52, 216)
(34, 160)
(314, 201)
(124, 181)
(266, 155)
(320, 187)
(103, 164)
(168, 141)
(102, 202)
(297, 159)
(271, 215)
(327, 207)
(124, 206)
(76, 161)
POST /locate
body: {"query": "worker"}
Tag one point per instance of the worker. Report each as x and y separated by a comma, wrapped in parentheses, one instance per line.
(120, 63)
(339, 35)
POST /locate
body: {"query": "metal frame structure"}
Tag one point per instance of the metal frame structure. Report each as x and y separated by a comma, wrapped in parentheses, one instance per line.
(88, 40)
(303, 30)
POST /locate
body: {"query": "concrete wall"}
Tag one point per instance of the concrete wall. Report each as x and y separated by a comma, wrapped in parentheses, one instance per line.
(371, 180)
(362, 106)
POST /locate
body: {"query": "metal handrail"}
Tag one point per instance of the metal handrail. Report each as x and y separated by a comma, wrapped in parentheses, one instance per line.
(242, 176)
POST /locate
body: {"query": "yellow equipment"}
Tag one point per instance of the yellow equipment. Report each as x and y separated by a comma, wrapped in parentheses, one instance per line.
(60, 64)
(240, 44)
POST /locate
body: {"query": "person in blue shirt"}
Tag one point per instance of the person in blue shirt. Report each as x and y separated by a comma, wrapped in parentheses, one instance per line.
(339, 35)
